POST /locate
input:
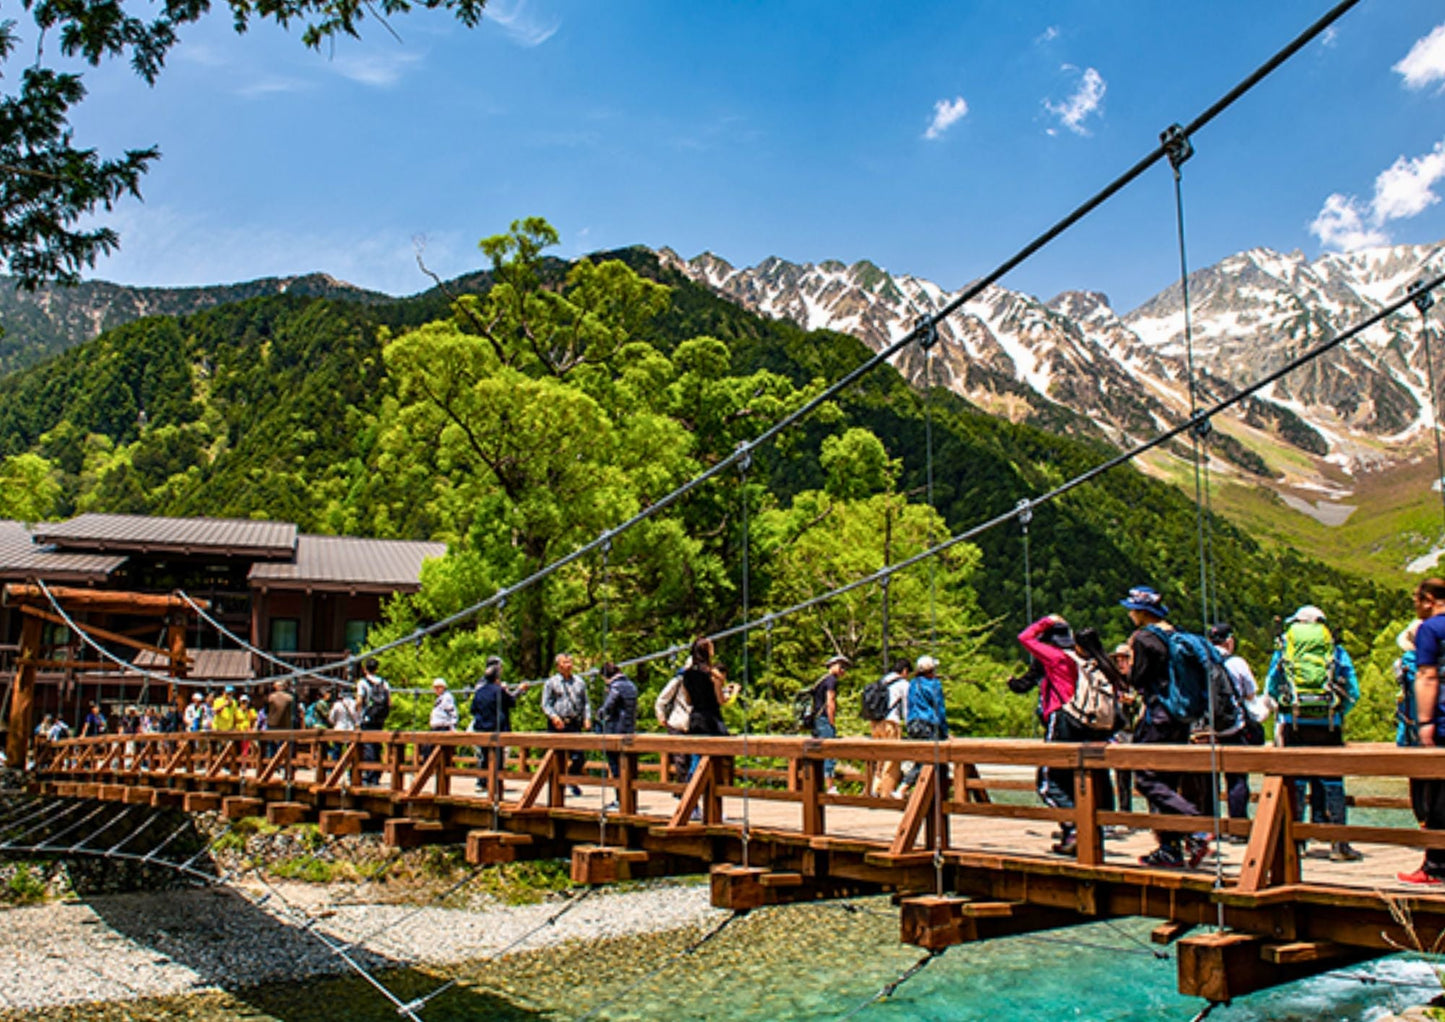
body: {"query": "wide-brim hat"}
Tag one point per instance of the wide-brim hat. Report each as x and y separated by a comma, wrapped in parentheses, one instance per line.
(1145, 599)
(1308, 614)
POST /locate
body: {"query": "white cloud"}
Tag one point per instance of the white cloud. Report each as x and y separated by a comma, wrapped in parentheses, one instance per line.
(382, 70)
(522, 26)
(1425, 63)
(1330, 37)
(946, 113)
(1048, 35)
(1086, 100)
(271, 85)
(1404, 189)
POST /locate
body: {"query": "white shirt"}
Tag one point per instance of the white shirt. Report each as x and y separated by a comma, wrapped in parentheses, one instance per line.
(897, 699)
(344, 716)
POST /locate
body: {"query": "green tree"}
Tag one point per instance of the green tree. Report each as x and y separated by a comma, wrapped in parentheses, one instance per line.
(29, 489)
(47, 183)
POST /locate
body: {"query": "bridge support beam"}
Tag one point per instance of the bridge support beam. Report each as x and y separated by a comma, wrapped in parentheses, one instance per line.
(238, 807)
(490, 847)
(405, 832)
(201, 802)
(341, 822)
(284, 814)
(596, 864)
(933, 922)
(1222, 966)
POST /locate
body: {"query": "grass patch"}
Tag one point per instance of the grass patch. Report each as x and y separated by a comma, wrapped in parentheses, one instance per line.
(526, 883)
(25, 886)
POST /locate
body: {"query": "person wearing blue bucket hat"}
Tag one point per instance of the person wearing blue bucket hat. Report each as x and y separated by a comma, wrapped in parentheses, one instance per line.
(1149, 676)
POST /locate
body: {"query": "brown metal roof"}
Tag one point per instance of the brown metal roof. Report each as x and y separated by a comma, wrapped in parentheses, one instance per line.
(206, 664)
(235, 537)
(350, 564)
(22, 558)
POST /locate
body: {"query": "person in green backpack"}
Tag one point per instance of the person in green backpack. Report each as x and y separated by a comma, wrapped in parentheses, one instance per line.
(1313, 681)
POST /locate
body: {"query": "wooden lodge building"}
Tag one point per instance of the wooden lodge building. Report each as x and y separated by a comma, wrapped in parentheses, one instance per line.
(308, 600)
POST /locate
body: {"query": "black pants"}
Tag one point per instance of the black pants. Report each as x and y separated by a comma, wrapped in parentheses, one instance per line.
(1055, 784)
(1162, 788)
(1236, 786)
(1325, 795)
(1428, 800)
(371, 751)
(576, 759)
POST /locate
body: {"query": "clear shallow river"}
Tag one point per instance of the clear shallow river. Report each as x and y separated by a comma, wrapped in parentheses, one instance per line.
(814, 962)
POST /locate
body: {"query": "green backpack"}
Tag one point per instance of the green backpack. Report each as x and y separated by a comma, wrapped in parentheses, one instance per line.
(1307, 657)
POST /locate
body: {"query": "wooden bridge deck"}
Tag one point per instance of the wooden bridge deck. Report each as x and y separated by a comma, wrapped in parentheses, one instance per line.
(769, 833)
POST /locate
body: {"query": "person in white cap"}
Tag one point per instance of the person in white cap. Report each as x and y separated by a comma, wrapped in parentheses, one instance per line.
(444, 709)
(1312, 680)
(927, 716)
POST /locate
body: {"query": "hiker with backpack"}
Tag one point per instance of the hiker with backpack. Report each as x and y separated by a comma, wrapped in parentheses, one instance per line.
(885, 707)
(927, 719)
(1312, 680)
(373, 702)
(674, 713)
(1407, 732)
(1249, 730)
(1172, 696)
(1428, 796)
(1078, 702)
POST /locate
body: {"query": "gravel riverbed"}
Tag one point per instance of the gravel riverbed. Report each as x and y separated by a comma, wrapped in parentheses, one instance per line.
(121, 947)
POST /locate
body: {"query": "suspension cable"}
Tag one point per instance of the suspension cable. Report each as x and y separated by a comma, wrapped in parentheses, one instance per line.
(603, 791)
(1068, 486)
(886, 354)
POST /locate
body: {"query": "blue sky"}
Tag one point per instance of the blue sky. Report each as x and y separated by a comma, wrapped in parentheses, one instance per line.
(930, 138)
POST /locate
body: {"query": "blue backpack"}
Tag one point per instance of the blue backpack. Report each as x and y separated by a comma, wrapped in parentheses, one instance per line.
(1195, 667)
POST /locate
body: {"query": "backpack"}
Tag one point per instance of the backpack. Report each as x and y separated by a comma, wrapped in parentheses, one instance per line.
(1197, 677)
(875, 698)
(378, 700)
(1094, 704)
(1307, 660)
(803, 712)
(1407, 733)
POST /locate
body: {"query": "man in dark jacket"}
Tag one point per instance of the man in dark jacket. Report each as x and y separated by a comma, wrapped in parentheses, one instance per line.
(492, 704)
(618, 713)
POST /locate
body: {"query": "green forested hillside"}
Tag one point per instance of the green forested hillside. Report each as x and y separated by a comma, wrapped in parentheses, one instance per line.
(535, 416)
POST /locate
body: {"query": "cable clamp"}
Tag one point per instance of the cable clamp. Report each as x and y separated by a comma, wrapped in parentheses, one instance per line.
(927, 330)
(745, 448)
(1026, 512)
(1421, 296)
(1176, 145)
(606, 539)
(1202, 427)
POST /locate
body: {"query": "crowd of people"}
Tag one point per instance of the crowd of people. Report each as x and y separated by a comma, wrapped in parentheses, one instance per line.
(1164, 686)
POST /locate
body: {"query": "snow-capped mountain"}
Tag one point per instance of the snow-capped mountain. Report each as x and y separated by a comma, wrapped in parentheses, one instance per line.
(1013, 354)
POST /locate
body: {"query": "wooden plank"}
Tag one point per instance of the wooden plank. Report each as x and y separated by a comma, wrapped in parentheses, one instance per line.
(1271, 846)
(96, 631)
(1302, 951)
(1168, 933)
(428, 770)
(698, 784)
(22, 698)
(545, 772)
(17, 593)
(343, 766)
(920, 803)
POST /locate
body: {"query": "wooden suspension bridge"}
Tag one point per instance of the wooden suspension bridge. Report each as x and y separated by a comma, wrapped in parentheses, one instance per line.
(965, 854)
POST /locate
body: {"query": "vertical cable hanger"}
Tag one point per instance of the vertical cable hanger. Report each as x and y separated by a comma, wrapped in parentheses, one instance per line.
(744, 464)
(928, 337)
(1025, 516)
(1179, 149)
(497, 761)
(603, 789)
(1424, 300)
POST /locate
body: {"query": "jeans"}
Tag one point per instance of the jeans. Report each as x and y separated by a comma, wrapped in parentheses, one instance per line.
(823, 728)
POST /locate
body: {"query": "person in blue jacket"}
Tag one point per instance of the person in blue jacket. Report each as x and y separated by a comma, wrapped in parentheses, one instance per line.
(927, 715)
(492, 704)
(1303, 724)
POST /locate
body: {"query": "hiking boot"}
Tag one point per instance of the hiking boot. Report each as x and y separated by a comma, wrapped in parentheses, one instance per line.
(575, 791)
(1166, 858)
(1068, 846)
(1343, 851)
(1196, 847)
(1419, 877)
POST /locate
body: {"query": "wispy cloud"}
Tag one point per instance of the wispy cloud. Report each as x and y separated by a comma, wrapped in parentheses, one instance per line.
(1086, 100)
(1048, 35)
(1425, 63)
(522, 26)
(946, 113)
(1403, 190)
(271, 85)
(381, 70)
(1330, 37)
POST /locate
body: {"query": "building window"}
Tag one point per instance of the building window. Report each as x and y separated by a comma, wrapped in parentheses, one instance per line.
(285, 634)
(356, 635)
